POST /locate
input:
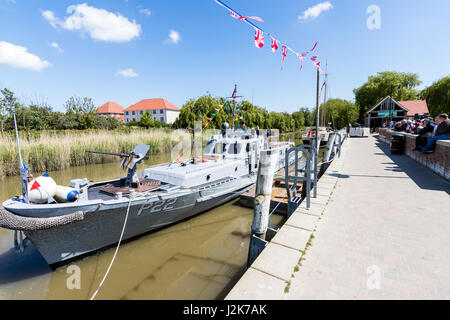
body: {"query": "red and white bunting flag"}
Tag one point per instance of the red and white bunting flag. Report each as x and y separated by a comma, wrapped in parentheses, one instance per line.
(316, 64)
(236, 16)
(301, 60)
(284, 52)
(275, 45)
(259, 38)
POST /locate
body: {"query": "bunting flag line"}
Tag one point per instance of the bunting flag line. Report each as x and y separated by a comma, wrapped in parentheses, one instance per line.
(274, 45)
(259, 39)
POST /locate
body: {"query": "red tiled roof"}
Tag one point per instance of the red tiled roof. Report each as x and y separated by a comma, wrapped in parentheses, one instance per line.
(110, 107)
(415, 106)
(153, 104)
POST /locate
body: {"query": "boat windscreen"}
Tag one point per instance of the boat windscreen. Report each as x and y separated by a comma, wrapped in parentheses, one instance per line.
(235, 148)
(209, 148)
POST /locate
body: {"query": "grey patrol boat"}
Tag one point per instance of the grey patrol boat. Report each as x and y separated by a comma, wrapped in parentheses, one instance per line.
(161, 196)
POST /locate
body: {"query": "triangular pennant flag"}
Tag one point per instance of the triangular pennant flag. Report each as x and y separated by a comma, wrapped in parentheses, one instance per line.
(213, 114)
(45, 175)
(301, 60)
(236, 16)
(274, 45)
(35, 185)
(259, 38)
(284, 53)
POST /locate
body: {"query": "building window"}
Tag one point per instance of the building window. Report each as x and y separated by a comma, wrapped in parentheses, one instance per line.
(154, 111)
(134, 119)
(142, 112)
(161, 111)
(162, 119)
(126, 112)
(133, 113)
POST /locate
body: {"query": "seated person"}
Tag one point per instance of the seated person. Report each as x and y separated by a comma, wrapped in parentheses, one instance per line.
(442, 132)
(424, 133)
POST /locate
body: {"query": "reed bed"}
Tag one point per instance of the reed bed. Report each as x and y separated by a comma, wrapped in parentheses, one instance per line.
(58, 150)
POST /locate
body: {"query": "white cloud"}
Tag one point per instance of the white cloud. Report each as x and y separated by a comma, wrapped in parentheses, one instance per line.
(50, 17)
(56, 46)
(174, 37)
(127, 73)
(100, 24)
(19, 57)
(315, 11)
(145, 11)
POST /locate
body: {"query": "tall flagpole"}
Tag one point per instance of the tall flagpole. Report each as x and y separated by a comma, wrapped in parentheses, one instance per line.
(325, 124)
(317, 112)
(23, 168)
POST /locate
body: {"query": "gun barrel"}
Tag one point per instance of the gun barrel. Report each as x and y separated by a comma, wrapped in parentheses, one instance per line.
(110, 153)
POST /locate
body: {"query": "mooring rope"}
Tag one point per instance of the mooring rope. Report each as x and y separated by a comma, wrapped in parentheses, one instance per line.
(115, 253)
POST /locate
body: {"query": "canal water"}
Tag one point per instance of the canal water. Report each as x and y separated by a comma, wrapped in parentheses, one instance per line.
(201, 258)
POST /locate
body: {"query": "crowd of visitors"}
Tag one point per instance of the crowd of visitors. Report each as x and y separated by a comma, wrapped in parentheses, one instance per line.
(428, 131)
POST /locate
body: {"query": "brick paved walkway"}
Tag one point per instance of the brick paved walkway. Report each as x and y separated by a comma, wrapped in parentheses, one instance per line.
(385, 233)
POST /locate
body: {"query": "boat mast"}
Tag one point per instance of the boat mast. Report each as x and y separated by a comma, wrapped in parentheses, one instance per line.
(233, 97)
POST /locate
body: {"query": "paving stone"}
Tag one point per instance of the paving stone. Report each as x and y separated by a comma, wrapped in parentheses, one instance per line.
(302, 220)
(257, 285)
(292, 237)
(278, 261)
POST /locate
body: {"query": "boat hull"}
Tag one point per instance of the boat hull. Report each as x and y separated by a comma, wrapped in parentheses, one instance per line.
(100, 229)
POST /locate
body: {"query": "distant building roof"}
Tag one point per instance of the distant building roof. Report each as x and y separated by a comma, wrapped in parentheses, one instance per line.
(110, 107)
(153, 104)
(415, 106)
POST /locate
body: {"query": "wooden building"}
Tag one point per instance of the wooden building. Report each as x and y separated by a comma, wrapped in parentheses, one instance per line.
(388, 109)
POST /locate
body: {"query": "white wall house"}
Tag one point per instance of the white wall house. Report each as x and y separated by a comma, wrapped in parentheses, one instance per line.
(159, 109)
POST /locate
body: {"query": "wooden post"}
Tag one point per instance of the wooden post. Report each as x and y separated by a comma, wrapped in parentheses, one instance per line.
(266, 171)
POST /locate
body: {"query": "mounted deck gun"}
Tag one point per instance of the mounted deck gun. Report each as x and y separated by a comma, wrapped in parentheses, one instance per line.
(129, 160)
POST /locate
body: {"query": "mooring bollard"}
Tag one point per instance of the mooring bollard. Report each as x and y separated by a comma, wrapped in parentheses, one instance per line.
(266, 171)
(263, 194)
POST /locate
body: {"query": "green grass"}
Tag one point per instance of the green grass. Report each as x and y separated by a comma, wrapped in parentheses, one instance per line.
(58, 150)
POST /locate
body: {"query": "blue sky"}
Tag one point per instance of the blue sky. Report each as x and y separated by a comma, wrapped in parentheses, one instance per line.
(209, 50)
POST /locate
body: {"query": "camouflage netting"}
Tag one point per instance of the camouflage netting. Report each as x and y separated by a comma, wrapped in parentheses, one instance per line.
(11, 221)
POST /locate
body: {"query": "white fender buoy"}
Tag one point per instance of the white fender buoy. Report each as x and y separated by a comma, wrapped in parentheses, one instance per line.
(41, 189)
(66, 194)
